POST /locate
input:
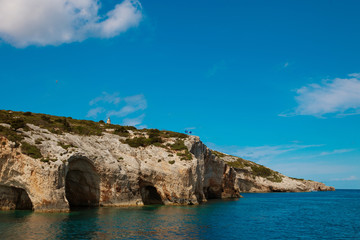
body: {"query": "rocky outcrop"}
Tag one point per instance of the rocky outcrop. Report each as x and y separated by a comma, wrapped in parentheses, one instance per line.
(252, 177)
(85, 171)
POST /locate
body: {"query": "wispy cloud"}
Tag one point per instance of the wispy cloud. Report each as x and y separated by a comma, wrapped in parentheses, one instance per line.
(351, 178)
(305, 169)
(216, 68)
(133, 104)
(337, 97)
(93, 113)
(286, 65)
(107, 98)
(267, 152)
(134, 121)
(44, 22)
(322, 154)
(106, 102)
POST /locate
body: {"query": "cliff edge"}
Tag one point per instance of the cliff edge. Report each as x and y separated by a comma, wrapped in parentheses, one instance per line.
(50, 163)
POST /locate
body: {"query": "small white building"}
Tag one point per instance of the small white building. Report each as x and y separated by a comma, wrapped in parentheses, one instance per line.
(108, 121)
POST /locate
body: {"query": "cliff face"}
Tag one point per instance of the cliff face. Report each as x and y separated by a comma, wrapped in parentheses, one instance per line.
(53, 171)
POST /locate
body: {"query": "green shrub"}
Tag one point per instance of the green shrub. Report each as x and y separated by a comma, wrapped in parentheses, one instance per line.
(86, 130)
(185, 156)
(30, 150)
(218, 154)
(11, 135)
(259, 170)
(46, 118)
(121, 131)
(143, 141)
(65, 146)
(138, 142)
(18, 123)
(275, 178)
(298, 179)
(66, 125)
(130, 128)
(170, 134)
(39, 141)
(101, 121)
(154, 135)
(239, 163)
(178, 145)
(172, 161)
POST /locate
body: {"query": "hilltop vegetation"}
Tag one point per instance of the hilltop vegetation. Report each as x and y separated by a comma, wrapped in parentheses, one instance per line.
(249, 166)
(132, 136)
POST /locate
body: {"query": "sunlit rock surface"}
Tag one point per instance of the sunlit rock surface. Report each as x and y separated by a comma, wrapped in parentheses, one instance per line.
(105, 171)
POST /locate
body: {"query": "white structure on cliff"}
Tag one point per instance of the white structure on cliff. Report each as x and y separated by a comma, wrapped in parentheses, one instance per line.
(108, 121)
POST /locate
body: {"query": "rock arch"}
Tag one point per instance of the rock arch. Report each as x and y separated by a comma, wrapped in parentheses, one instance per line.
(149, 194)
(82, 183)
(13, 198)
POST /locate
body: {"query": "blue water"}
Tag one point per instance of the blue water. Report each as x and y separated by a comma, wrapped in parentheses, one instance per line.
(315, 215)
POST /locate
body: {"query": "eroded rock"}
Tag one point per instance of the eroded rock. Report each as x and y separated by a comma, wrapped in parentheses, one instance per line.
(89, 171)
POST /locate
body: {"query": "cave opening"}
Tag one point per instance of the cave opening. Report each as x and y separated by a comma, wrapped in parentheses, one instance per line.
(150, 195)
(12, 198)
(82, 185)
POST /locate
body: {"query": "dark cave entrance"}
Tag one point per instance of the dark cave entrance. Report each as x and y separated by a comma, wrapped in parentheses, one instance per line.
(150, 196)
(12, 198)
(82, 185)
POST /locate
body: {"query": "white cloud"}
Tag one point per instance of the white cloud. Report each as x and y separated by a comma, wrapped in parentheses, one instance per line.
(351, 178)
(106, 102)
(286, 65)
(269, 152)
(256, 153)
(134, 121)
(107, 98)
(304, 169)
(95, 111)
(339, 97)
(45, 22)
(133, 104)
(322, 154)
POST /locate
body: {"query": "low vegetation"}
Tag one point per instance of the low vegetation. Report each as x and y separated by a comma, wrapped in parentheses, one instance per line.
(11, 134)
(60, 125)
(218, 154)
(54, 124)
(65, 146)
(178, 145)
(256, 170)
(239, 163)
(30, 150)
(142, 141)
(38, 141)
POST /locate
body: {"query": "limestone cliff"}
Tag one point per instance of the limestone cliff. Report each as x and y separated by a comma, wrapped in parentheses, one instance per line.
(50, 163)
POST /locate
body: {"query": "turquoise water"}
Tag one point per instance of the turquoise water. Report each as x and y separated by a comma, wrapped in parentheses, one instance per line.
(315, 215)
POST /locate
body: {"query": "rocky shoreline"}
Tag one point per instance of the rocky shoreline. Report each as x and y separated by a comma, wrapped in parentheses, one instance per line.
(112, 169)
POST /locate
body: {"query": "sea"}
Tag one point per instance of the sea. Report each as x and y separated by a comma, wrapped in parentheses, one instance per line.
(312, 215)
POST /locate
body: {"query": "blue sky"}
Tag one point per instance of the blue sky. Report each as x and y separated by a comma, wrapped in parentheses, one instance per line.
(275, 82)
